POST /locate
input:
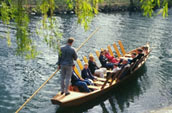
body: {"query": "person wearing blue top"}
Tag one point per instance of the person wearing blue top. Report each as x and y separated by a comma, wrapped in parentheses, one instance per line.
(65, 62)
(86, 74)
(80, 83)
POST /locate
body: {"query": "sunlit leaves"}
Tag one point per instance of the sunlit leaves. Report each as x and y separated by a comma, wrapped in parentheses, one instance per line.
(149, 5)
(5, 17)
(44, 9)
(18, 11)
(5, 13)
(51, 33)
(165, 9)
(49, 26)
(85, 10)
(70, 4)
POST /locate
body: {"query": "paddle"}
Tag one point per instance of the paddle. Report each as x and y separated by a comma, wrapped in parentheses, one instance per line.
(54, 73)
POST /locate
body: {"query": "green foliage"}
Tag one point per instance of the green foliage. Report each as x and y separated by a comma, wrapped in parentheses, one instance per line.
(5, 13)
(85, 11)
(70, 4)
(52, 35)
(25, 44)
(149, 5)
(5, 17)
(18, 10)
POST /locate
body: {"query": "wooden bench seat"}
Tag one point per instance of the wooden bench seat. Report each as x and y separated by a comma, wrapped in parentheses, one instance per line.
(93, 87)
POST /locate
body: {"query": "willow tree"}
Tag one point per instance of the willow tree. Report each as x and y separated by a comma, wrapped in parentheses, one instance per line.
(148, 7)
(85, 10)
(19, 11)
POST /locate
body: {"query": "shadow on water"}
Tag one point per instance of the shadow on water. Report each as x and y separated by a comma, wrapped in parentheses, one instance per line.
(120, 96)
(126, 92)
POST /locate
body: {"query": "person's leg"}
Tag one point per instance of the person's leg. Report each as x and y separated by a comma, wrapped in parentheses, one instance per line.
(63, 73)
(110, 65)
(88, 82)
(68, 78)
(99, 73)
(104, 70)
(82, 85)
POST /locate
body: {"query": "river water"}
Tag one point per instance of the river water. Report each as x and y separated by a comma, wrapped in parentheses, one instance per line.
(151, 89)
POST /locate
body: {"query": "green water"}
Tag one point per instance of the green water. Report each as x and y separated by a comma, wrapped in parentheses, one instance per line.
(150, 90)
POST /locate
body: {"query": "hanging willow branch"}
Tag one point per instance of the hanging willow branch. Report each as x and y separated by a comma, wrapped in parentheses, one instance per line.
(85, 10)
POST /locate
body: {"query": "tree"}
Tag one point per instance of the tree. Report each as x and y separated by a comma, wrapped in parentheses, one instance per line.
(148, 7)
(85, 10)
(19, 11)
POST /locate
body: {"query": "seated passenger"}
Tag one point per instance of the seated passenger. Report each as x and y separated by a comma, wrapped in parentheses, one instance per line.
(95, 70)
(116, 68)
(145, 50)
(125, 64)
(110, 58)
(80, 83)
(104, 62)
(140, 53)
(86, 74)
(133, 58)
(138, 57)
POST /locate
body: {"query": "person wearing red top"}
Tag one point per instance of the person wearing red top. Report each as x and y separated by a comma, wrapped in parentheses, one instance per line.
(110, 58)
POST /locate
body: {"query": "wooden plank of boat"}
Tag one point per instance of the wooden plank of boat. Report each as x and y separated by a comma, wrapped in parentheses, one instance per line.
(94, 87)
(98, 82)
(77, 98)
(101, 79)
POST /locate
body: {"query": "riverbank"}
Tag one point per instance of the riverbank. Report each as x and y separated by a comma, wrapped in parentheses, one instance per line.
(106, 6)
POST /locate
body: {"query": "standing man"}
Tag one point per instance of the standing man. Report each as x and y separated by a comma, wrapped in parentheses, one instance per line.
(65, 62)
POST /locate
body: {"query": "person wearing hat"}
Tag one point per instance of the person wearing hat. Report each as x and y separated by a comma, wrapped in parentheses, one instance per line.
(95, 70)
(86, 74)
(65, 62)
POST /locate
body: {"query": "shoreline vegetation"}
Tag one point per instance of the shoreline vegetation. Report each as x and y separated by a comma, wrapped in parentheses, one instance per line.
(105, 7)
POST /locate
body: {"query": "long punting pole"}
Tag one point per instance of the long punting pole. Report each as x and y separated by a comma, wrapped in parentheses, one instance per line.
(21, 107)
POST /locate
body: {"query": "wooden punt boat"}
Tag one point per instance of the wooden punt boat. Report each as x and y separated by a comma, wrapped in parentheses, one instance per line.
(103, 85)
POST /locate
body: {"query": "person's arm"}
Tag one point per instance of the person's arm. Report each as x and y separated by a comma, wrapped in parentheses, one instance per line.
(90, 66)
(101, 59)
(91, 76)
(109, 57)
(75, 56)
(75, 76)
(59, 59)
(97, 67)
(83, 74)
